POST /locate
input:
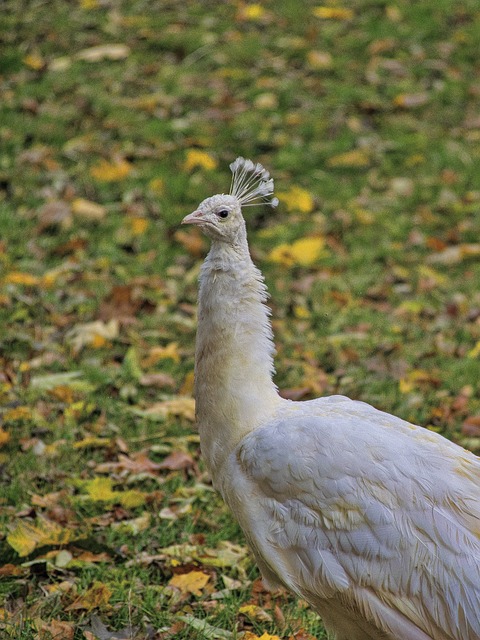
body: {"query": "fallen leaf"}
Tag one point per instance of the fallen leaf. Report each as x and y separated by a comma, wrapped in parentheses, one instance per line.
(92, 442)
(455, 254)
(138, 225)
(17, 414)
(471, 427)
(18, 277)
(100, 490)
(54, 630)
(297, 199)
(138, 463)
(411, 100)
(161, 353)
(192, 582)
(10, 570)
(254, 612)
(158, 380)
(319, 59)
(25, 536)
(304, 252)
(98, 596)
(94, 334)
(134, 525)
(354, 158)
(199, 159)
(115, 171)
(205, 629)
(157, 186)
(104, 52)
(417, 378)
(333, 13)
(88, 210)
(475, 352)
(50, 381)
(180, 406)
(251, 12)
(177, 460)
(192, 241)
(34, 61)
(98, 631)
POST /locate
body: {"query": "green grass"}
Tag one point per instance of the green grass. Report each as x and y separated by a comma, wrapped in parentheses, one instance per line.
(384, 315)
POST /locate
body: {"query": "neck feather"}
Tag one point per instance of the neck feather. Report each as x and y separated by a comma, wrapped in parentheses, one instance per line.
(234, 390)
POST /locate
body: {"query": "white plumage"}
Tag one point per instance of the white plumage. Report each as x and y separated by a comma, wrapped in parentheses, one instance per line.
(372, 520)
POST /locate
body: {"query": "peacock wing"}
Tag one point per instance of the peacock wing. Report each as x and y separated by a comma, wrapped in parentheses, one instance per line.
(341, 501)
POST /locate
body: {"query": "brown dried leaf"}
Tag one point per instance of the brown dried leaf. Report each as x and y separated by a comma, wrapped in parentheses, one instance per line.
(54, 630)
(471, 427)
(180, 407)
(158, 380)
(177, 460)
(97, 596)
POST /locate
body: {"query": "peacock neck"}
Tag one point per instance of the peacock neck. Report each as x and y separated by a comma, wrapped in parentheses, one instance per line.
(234, 390)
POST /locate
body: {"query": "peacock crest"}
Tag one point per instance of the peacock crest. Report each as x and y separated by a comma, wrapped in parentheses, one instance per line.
(251, 183)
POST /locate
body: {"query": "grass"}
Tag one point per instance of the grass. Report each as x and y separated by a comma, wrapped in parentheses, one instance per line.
(373, 114)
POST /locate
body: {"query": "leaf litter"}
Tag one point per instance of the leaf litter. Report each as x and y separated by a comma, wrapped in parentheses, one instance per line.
(108, 140)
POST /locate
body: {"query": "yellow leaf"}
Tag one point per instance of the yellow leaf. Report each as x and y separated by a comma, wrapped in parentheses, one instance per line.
(97, 596)
(87, 209)
(130, 499)
(254, 612)
(319, 59)
(304, 252)
(18, 277)
(405, 385)
(138, 226)
(201, 159)
(157, 185)
(475, 352)
(111, 171)
(354, 158)
(161, 353)
(92, 442)
(332, 13)
(87, 5)
(297, 199)
(34, 61)
(98, 341)
(253, 12)
(416, 378)
(100, 489)
(4, 437)
(26, 536)
(18, 413)
(301, 312)
(192, 582)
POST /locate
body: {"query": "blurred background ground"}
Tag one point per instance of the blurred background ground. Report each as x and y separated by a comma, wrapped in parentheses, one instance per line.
(116, 119)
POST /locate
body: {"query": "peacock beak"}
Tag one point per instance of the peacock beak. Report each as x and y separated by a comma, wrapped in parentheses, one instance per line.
(193, 218)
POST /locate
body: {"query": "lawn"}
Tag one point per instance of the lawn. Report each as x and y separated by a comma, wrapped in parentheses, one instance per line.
(116, 119)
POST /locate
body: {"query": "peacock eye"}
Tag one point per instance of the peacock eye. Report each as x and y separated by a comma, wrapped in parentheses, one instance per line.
(223, 214)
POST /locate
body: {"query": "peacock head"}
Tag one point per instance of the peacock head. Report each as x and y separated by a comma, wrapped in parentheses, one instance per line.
(220, 216)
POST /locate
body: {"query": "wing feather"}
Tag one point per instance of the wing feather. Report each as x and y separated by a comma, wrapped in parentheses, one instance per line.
(343, 502)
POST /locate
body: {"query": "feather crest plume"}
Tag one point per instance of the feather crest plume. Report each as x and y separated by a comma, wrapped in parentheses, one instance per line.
(251, 183)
